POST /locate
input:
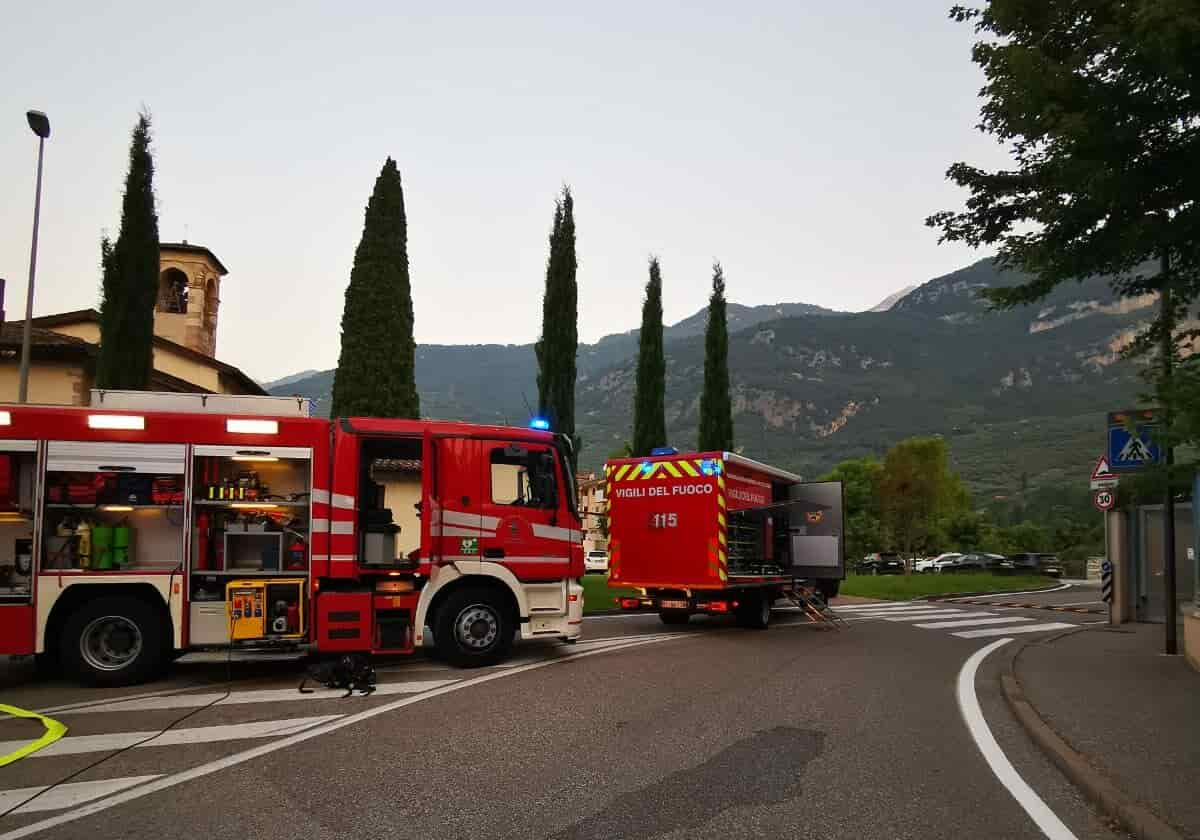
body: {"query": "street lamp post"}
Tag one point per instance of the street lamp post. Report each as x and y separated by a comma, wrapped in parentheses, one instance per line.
(40, 124)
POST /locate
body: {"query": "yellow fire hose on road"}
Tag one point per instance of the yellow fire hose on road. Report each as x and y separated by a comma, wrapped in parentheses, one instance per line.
(54, 731)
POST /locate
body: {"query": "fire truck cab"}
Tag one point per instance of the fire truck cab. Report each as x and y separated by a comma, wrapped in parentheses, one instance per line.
(145, 526)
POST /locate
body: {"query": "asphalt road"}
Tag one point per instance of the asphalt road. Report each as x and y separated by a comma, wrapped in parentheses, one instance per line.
(640, 730)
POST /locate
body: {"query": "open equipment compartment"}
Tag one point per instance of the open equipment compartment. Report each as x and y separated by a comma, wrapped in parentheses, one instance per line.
(251, 521)
(113, 507)
(18, 483)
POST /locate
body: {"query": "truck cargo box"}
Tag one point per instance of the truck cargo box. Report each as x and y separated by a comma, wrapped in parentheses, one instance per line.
(717, 520)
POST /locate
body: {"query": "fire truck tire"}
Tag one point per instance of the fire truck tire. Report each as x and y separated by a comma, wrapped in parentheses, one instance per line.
(113, 641)
(473, 628)
(754, 612)
(674, 616)
(829, 588)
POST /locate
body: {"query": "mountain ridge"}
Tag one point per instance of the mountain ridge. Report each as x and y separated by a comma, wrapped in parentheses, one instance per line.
(813, 386)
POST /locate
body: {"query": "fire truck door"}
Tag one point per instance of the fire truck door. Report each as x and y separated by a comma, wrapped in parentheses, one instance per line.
(457, 498)
(522, 495)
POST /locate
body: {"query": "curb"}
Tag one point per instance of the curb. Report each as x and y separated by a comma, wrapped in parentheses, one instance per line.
(949, 595)
(1136, 818)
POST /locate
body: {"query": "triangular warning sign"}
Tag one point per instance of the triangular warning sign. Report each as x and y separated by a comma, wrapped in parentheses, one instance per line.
(1102, 470)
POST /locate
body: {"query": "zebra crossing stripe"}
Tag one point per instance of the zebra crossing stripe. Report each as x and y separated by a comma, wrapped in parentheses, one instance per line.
(66, 795)
(974, 622)
(235, 698)
(910, 617)
(176, 737)
(1008, 631)
(927, 614)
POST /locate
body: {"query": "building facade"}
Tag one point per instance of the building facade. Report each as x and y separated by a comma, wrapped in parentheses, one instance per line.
(591, 508)
(63, 346)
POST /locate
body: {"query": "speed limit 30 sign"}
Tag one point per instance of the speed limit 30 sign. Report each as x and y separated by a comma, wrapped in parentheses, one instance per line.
(1104, 499)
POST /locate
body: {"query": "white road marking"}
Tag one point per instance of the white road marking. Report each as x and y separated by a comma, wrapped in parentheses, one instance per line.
(271, 695)
(931, 614)
(1010, 594)
(172, 737)
(882, 605)
(968, 704)
(66, 795)
(939, 625)
(900, 610)
(1076, 603)
(1005, 631)
(85, 704)
(265, 749)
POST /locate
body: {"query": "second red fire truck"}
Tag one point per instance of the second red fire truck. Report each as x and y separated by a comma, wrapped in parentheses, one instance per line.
(716, 532)
(147, 525)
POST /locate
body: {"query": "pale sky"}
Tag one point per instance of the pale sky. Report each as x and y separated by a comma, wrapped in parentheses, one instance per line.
(800, 143)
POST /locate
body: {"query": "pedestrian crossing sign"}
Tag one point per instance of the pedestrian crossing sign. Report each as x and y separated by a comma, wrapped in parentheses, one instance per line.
(1132, 450)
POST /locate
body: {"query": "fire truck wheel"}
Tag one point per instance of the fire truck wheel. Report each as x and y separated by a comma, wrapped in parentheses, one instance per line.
(674, 616)
(113, 641)
(754, 612)
(473, 627)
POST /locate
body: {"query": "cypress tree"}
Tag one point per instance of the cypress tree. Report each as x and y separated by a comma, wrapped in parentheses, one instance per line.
(129, 269)
(716, 410)
(375, 372)
(649, 414)
(559, 342)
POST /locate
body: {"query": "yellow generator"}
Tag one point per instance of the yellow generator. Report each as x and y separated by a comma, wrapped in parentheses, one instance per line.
(265, 609)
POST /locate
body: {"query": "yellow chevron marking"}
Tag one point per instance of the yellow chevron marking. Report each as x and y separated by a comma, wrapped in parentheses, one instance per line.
(689, 469)
(721, 501)
(721, 555)
(721, 518)
(621, 470)
(724, 577)
(721, 537)
(669, 467)
(721, 481)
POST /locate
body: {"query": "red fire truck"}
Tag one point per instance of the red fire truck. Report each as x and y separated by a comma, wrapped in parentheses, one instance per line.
(148, 525)
(714, 532)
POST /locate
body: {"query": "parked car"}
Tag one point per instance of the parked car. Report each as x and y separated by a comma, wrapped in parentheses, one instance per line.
(1031, 563)
(885, 563)
(926, 564)
(976, 561)
(595, 561)
(1049, 564)
(943, 562)
(1020, 564)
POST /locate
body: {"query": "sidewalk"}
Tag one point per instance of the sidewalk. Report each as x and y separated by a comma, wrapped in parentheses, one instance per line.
(1132, 713)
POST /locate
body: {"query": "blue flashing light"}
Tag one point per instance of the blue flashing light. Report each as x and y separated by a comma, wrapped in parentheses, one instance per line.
(540, 423)
(710, 467)
(664, 450)
(647, 466)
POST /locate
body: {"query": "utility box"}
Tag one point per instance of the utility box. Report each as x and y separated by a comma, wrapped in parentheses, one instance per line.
(265, 609)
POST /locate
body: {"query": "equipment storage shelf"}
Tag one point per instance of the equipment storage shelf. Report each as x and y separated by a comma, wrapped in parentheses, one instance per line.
(18, 478)
(250, 515)
(113, 507)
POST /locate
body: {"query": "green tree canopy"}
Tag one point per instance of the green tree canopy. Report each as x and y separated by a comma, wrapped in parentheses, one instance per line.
(375, 372)
(716, 408)
(1098, 102)
(130, 277)
(918, 493)
(558, 345)
(649, 412)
